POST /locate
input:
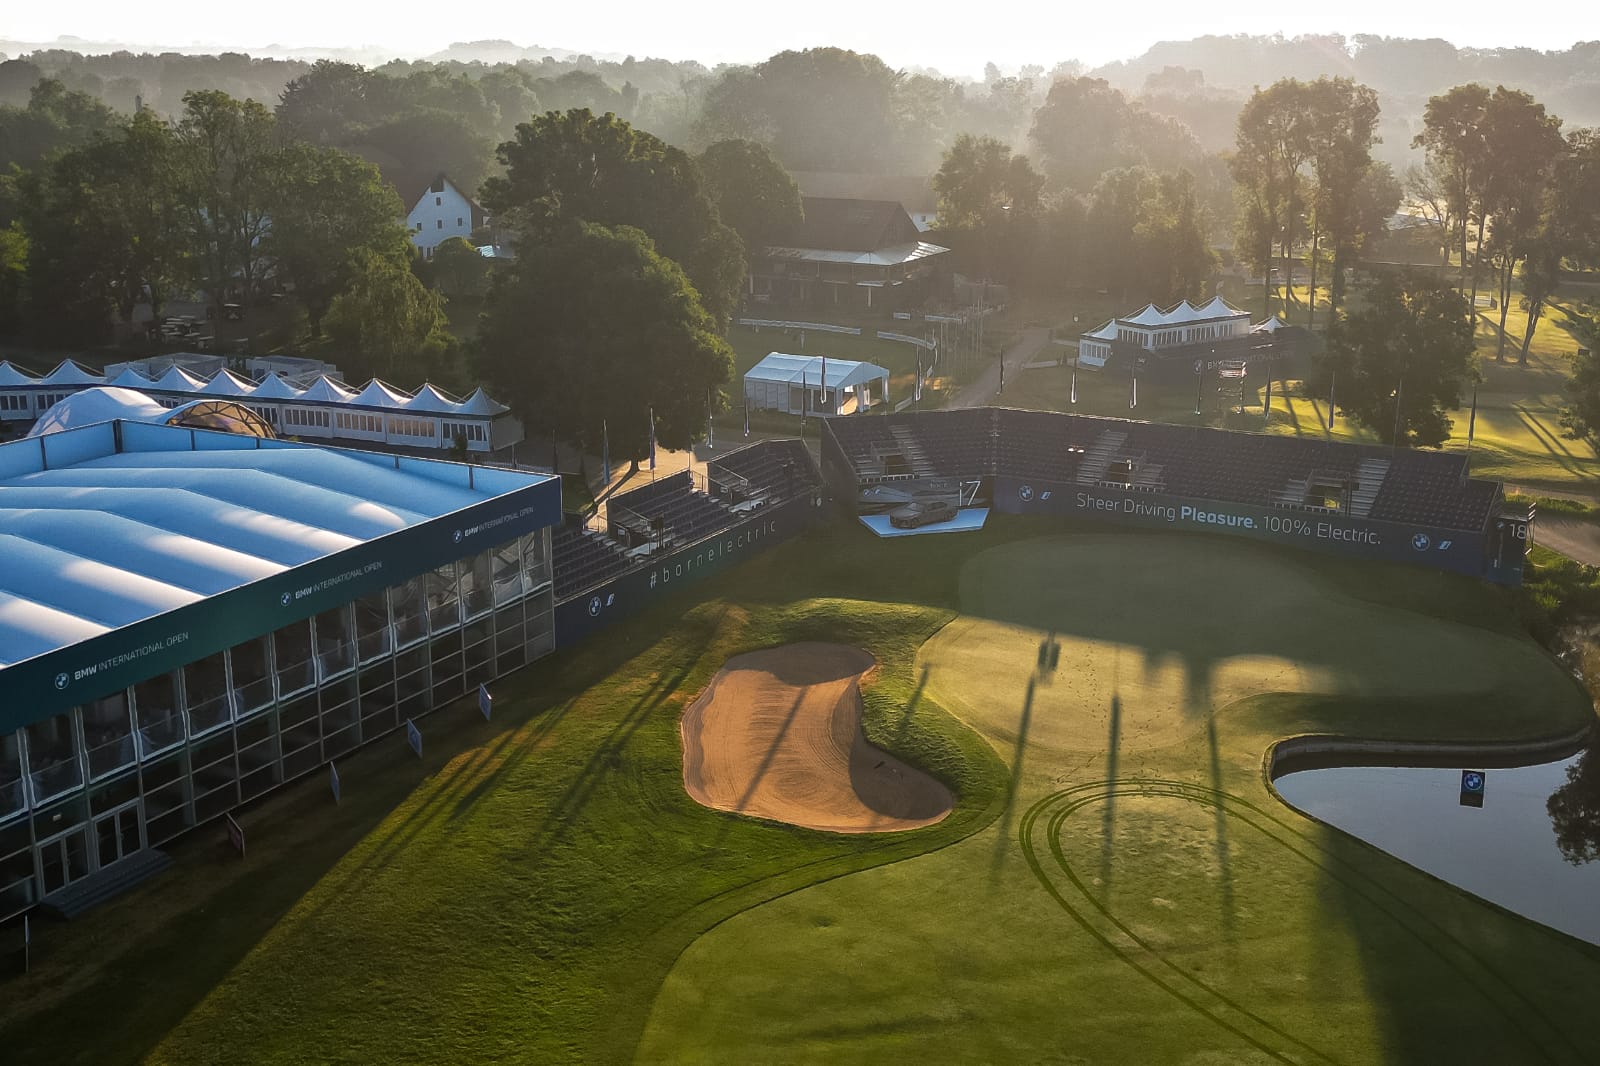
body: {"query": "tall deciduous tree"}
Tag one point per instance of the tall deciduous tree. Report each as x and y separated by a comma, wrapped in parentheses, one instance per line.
(1522, 144)
(1273, 145)
(388, 322)
(1086, 128)
(330, 206)
(752, 191)
(1344, 118)
(1402, 360)
(103, 231)
(1453, 137)
(989, 201)
(228, 172)
(574, 166)
(1580, 416)
(592, 328)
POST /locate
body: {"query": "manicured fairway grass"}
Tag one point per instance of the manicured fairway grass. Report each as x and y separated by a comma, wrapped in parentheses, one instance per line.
(524, 892)
(1143, 897)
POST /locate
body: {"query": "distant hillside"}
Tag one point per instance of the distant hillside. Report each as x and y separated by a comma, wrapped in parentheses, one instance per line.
(1404, 71)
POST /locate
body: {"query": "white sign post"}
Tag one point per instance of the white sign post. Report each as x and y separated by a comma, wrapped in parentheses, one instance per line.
(485, 702)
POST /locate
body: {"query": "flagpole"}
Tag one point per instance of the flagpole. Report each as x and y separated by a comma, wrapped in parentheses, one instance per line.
(1333, 381)
(1399, 390)
(1472, 424)
(1074, 399)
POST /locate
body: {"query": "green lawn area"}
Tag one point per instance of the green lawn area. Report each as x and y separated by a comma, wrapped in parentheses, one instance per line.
(540, 889)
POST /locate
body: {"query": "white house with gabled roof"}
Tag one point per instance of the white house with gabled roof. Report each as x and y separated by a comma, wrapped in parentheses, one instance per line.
(440, 211)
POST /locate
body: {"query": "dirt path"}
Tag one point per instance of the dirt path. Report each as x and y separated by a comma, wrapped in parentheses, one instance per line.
(777, 734)
(983, 391)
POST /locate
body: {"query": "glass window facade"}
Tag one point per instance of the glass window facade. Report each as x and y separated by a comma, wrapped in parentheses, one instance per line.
(139, 767)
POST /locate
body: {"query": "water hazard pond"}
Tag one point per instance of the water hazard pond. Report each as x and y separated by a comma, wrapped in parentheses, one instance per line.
(1533, 848)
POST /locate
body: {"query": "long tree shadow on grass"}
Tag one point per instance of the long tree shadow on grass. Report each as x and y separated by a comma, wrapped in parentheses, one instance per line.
(1002, 840)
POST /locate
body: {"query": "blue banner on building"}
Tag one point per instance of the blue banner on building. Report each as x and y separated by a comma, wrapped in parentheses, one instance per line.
(1323, 531)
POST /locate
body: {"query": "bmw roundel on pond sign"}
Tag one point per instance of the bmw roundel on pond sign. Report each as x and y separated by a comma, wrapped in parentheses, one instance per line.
(1472, 783)
(1420, 541)
(594, 606)
(1026, 492)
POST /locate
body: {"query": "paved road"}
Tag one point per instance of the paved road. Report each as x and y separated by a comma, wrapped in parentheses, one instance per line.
(1574, 538)
(983, 391)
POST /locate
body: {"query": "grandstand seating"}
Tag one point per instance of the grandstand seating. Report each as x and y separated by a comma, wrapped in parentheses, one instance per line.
(581, 560)
(1426, 488)
(771, 470)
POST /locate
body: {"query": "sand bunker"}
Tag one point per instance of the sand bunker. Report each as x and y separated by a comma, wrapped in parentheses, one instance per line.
(777, 734)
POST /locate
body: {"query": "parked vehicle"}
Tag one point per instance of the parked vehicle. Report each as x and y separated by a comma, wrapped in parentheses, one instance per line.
(922, 513)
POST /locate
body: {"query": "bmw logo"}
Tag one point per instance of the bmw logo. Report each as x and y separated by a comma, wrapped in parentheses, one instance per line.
(286, 599)
(458, 536)
(1472, 781)
(594, 606)
(62, 681)
(1420, 541)
(1026, 492)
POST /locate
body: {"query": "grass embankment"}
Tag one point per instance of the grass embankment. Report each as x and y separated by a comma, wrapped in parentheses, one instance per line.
(520, 893)
(1144, 898)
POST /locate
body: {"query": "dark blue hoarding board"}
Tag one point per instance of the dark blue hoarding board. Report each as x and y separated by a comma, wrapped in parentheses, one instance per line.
(33, 690)
(581, 616)
(1347, 535)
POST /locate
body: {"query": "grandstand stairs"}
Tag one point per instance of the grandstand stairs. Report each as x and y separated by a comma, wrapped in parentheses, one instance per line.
(1369, 479)
(104, 885)
(1092, 470)
(913, 451)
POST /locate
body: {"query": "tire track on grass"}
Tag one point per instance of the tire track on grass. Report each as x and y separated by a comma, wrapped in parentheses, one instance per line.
(1056, 809)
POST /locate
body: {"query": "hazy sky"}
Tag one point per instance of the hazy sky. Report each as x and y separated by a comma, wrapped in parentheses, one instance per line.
(957, 38)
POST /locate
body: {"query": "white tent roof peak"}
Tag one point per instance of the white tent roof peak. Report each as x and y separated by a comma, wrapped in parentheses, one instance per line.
(275, 387)
(432, 400)
(132, 379)
(177, 379)
(10, 375)
(227, 383)
(325, 388)
(70, 373)
(479, 403)
(1220, 308)
(381, 394)
(1107, 332)
(1148, 315)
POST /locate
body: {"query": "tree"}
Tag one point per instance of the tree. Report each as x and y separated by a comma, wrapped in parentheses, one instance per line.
(1147, 232)
(1085, 128)
(1522, 143)
(459, 271)
(578, 167)
(989, 199)
(330, 207)
(592, 328)
(1453, 137)
(1344, 118)
(1273, 143)
(13, 278)
(227, 171)
(56, 119)
(387, 322)
(103, 232)
(1402, 360)
(1580, 418)
(818, 109)
(752, 192)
